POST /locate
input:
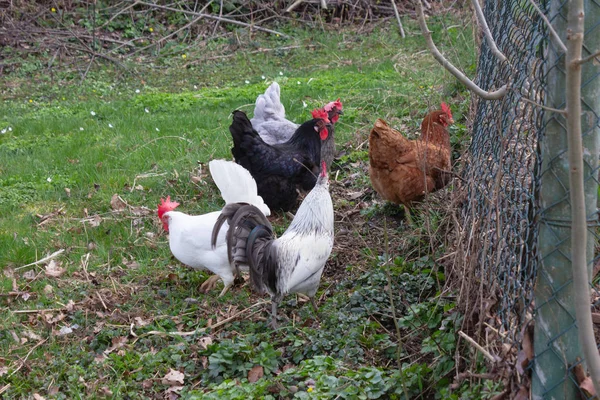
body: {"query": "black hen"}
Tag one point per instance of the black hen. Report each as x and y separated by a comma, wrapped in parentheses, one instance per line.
(279, 169)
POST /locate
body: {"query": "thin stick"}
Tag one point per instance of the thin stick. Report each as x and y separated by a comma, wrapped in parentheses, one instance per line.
(101, 300)
(398, 19)
(495, 95)
(588, 58)
(486, 31)
(173, 33)
(216, 18)
(550, 28)
(294, 5)
(4, 388)
(43, 260)
(477, 346)
(200, 330)
(27, 356)
(556, 110)
(37, 311)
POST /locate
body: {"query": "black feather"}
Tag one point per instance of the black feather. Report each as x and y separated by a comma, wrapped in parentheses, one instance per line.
(280, 169)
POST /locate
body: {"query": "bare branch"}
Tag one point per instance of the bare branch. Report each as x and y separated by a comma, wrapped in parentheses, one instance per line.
(398, 19)
(294, 5)
(486, 31)
(553, 33)
(556, 110)
(216, 18)
(588, 58)
(495, 95)
(579, 227)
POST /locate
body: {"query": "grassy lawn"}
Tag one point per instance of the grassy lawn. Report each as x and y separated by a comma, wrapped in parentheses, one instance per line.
(83, 165)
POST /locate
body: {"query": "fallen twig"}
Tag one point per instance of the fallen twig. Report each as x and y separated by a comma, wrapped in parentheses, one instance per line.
(216, 18)
(37, 310)
(398, 19)
(200, 330)
(4, 388)
(43, 260)
(26, 357)
(483, 351)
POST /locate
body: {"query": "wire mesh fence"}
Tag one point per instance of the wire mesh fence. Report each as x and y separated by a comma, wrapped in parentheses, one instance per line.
(513, 228)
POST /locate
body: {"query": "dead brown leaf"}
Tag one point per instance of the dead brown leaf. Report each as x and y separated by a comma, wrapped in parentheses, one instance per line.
(3, 371)
(140, 322)
(94, 221)
(173, 378)
(522, 394)
(255, 373)
(117, 343)
(51, 319)
(38, 397)
(204, 342)
(147, 384)
(29, 275)
(53, 269)
(117, 203)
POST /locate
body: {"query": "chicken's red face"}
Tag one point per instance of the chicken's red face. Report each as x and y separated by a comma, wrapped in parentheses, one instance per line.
(446, 115)
(321, 127)
(334, 110)
(164, 207)
(322, 120)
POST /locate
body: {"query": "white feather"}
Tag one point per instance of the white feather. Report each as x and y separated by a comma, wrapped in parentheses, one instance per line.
(305, 246)
(236, 184)
(269, 117)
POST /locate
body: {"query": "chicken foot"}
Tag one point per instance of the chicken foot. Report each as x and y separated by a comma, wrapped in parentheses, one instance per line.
(209, 284)
(313, 302)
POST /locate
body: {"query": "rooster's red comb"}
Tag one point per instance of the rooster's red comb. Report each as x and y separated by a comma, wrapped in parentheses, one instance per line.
(320, 113)
(446, 110)
(337, 104)
(166, 206)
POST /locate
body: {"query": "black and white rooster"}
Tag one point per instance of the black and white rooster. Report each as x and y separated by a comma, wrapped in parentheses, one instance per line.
(292, 263)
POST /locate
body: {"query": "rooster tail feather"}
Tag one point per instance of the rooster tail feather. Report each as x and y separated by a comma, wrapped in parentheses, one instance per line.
(236, 184)
(261, 258)
(268, 105)
(243, 219)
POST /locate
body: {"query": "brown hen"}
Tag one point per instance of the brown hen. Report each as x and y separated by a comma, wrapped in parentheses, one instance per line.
(403, 170)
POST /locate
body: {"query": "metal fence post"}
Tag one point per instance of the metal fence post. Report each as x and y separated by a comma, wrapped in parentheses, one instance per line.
(556, 339)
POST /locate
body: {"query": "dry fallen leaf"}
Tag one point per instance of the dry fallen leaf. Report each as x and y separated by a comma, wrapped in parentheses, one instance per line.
(94, 221)
(53, 269)
(255, 373)
(117, 343)
(29, 275)
(38, 397)
(173, 378)
(204, 342)
(50, 319)
(65, 330)
(140, 322)
(32, 335)
(3, 371)
(117, 203)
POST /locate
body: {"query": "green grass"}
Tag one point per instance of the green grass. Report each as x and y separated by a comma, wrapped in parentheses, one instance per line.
(72, 147)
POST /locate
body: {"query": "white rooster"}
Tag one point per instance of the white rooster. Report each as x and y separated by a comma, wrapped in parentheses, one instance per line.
(190, 235)
(292, 263)
(272, 126)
